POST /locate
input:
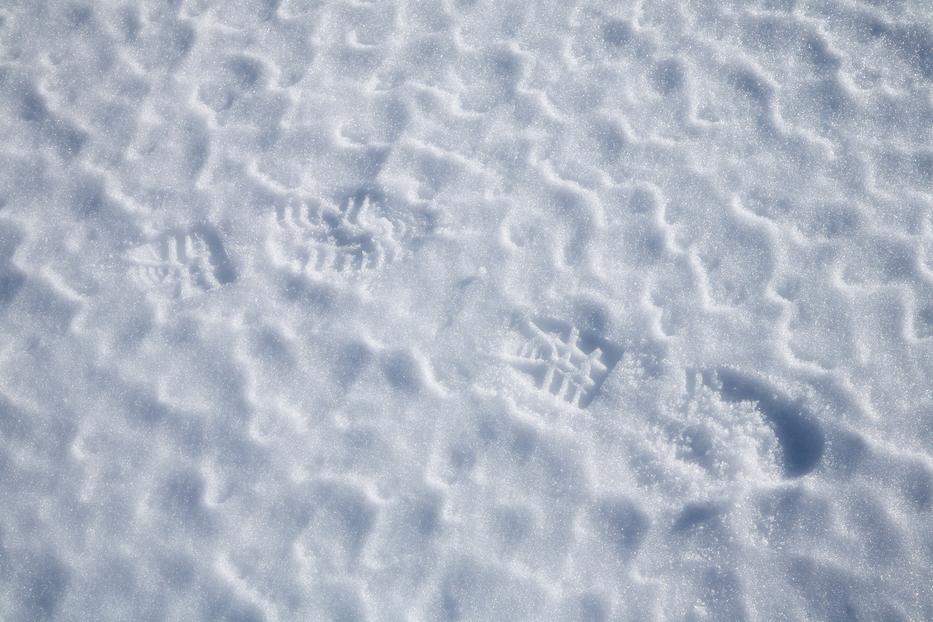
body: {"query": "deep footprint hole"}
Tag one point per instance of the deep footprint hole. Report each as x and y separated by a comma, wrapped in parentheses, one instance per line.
(800, 437)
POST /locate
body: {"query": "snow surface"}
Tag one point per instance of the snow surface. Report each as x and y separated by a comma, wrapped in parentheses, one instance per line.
(464, 310)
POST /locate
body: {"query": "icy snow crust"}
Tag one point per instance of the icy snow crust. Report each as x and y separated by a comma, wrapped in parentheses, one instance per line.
(466, 310)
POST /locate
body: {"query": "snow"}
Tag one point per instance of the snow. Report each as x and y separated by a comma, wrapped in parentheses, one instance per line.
(466, 310)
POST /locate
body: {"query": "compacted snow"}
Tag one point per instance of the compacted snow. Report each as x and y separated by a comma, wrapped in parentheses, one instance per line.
(464, 310)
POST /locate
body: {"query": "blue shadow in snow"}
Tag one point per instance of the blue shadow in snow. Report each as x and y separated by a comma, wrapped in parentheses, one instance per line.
(801, 438)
